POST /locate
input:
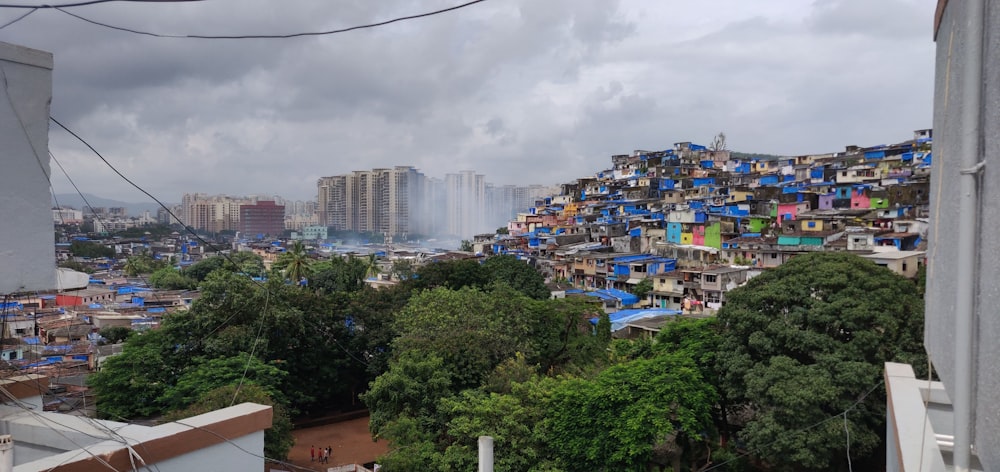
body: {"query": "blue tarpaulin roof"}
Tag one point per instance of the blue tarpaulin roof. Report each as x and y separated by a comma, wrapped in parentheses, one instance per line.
(613, 294)
(620, 318)
(46, 361)
(11, 306)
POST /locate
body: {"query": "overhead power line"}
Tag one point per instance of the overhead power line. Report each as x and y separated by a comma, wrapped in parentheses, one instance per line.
(88, 3)
(15, 20)
(193, 233)
(268, 36)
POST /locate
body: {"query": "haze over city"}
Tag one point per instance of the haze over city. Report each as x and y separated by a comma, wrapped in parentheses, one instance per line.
(523, 92)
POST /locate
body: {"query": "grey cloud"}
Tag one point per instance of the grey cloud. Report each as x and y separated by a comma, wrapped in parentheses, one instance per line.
(524, 91)
(895, 19)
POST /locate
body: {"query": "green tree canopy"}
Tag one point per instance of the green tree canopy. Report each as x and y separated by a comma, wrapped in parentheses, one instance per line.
(615, 421)
(518, 274)
(643, 288)
(411, 388)
(459, 358)
(116, 334)
(242, 261)
(90, 249)
(131, 384)
(456, 274)
(208, 374)
(338, 275)
(471, 330)
(278, 439)
(142, 264)
(803, 343)
(453, 274)
(169, 278)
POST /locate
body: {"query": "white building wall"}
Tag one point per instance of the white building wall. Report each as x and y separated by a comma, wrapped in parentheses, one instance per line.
(27, 254)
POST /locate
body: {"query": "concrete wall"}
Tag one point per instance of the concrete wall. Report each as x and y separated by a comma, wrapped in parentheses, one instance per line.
(944, 205)
(224, 457)
(27, 254)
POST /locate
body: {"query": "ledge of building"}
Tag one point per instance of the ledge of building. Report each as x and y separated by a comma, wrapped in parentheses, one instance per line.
(27, 56)
(76, 443)
(919, 423)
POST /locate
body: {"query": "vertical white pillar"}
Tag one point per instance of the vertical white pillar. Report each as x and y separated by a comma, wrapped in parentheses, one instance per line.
(485, 454)
(6, 453)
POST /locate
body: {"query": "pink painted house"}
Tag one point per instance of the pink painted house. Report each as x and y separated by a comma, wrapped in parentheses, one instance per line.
(789, 211)
(860, 198)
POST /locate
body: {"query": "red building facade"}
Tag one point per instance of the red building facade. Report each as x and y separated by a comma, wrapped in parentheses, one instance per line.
(265, 219)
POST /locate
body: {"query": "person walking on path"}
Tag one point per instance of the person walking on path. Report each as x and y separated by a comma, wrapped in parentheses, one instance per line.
(312, 454)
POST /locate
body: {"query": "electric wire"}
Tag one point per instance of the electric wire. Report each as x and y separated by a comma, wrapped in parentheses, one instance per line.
(847, 432)
(116, 436)
(45, 420)
(15, 20)
(133, 455)
(923, 428)
(128, 257)
(860, 400)
(22, 126)
(186, 227)
(127, 442)
(88, 3)
(228, 258)
(237, 446)
(270, 36)
(260, 329)
(47, 173)
(59, 207)
(126, 179)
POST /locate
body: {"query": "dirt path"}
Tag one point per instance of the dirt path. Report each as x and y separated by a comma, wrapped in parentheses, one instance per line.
(350, 440)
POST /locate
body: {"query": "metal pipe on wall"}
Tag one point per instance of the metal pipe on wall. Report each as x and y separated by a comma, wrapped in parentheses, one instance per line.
(971, 164)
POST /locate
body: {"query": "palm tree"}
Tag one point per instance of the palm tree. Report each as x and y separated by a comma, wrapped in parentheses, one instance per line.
(371, 268)
(296, 262)
(131, 267)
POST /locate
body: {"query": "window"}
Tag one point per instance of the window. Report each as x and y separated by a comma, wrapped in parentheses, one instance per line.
(710, 278)
(904, 267)
(843, 174)
(811, 224)
(774, 255)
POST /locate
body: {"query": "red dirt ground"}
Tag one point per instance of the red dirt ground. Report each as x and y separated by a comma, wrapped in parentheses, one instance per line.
(350, 440)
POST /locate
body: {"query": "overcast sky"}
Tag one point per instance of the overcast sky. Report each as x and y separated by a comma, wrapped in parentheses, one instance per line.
(523, 91)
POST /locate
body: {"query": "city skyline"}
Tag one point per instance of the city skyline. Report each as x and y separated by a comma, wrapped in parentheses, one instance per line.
(454, 92)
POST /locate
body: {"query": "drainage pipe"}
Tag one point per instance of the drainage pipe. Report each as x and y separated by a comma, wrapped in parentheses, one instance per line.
(971, 164)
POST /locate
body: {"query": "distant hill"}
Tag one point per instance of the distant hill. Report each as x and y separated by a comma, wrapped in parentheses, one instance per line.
(134, 209)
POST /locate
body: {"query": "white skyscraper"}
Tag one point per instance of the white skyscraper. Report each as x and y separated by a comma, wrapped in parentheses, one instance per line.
(465, 194)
